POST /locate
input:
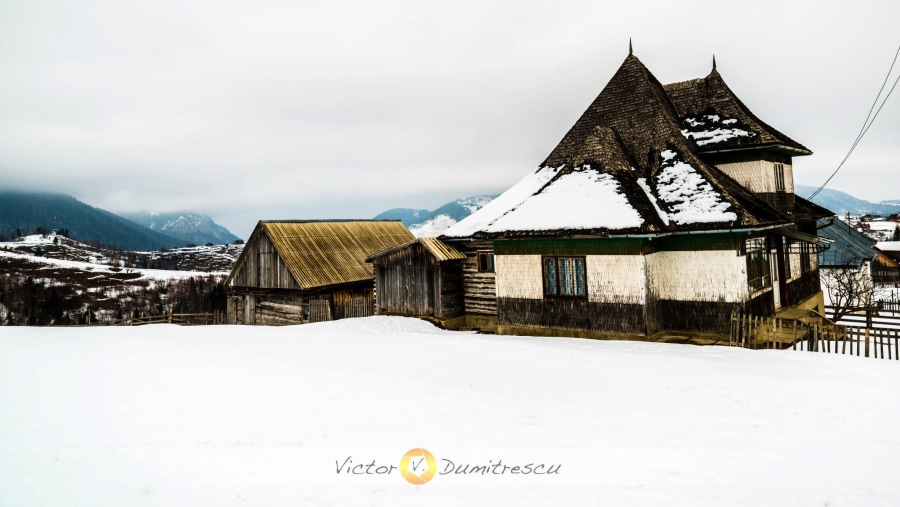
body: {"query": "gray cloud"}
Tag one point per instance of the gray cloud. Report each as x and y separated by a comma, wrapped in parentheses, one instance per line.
(342, 109)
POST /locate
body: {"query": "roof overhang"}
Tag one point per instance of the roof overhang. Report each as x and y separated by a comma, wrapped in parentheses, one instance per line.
(790, 150)
(820, 242)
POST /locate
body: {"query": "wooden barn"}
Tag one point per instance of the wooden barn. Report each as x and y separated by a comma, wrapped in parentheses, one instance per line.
(421, 278)
(291, 272)
(663, 210)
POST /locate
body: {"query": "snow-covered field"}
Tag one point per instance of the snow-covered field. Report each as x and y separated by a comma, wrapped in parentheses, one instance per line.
(220, 415)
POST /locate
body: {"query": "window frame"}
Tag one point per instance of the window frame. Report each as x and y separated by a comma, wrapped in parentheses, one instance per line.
(759, 271)
(805, 258)
(572, 267)
(779, 178)
(486, 261)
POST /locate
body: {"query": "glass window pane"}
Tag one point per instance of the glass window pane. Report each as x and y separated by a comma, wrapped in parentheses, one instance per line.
(550, 276)
(565, 276)
(579, 277)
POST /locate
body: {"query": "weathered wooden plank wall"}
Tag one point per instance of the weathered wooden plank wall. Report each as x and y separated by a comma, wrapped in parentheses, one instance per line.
(452, 303)
(263, 267)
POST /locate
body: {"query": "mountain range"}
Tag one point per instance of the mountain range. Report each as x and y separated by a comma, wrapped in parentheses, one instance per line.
(423, 223)
(22, 213)
(189, 227)
(842, 203)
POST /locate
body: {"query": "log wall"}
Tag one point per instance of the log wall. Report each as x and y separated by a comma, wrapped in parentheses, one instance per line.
(480, 289)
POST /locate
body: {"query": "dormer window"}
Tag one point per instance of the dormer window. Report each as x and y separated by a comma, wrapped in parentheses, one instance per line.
(779, 177)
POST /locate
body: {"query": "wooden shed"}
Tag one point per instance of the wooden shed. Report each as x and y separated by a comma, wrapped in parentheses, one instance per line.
(291, 272)
(421, 278)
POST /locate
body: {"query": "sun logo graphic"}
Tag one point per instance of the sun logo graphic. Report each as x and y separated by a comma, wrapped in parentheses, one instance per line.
(418, 466)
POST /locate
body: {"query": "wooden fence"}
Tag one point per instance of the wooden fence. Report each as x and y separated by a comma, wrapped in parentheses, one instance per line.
(814, 335)
(185, 319)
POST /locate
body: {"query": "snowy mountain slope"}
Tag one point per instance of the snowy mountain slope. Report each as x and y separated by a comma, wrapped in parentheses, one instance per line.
(167, 415)
(424, 223)
(26, 211)
(189, 227)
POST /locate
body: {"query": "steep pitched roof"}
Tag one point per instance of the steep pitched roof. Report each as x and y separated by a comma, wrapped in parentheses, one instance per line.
(323, 253)
(850, 248)
(623, 167)
(712, 115)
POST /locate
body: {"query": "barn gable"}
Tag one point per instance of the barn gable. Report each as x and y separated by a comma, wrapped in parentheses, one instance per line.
(291, 272)
(314, 254)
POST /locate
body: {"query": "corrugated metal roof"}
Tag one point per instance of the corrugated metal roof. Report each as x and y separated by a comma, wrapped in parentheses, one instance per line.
(440, 250)
(323, 253)
(850, 247)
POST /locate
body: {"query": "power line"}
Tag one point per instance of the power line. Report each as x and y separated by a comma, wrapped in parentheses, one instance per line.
(867, 124)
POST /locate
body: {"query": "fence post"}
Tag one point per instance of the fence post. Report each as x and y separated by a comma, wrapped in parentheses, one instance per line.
(170, 315)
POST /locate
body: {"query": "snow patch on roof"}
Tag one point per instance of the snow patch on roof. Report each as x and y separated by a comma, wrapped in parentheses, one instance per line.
(708, 130)
(506, 201)
(642, 182)
(582, 199)
(689, 195)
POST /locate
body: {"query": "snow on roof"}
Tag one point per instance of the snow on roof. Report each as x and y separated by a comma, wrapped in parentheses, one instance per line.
(506, 201)
(582, 199)
(888, 246)
(688, 194)
(709, 129)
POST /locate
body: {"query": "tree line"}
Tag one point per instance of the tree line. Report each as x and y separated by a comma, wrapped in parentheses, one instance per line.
(27, 301)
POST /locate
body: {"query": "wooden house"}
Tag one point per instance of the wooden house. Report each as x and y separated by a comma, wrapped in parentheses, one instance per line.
(421, 278)
(291, 272)
(664, 209)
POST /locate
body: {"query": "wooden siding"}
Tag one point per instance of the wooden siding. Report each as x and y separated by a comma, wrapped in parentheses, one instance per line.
(412, 281)
(616, 279)
(712, 276)
(451, 290)
(803, 288)
(574, 314)
(265, 310)
(691, 316)
(758, 176)
(260, 265)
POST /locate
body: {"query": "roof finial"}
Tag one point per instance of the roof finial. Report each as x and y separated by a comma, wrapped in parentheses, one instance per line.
(630, 52)
(714, 61)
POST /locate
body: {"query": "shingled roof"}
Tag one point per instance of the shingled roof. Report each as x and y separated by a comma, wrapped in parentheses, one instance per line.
(711, 115)
(624, 167)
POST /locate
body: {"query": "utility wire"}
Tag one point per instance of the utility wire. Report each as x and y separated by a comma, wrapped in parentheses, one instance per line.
(867, 124)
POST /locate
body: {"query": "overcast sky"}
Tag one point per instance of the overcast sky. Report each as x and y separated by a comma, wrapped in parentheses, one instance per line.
(342, 109)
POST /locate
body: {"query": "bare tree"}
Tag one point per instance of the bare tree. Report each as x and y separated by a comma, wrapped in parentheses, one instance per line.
(848, 289)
